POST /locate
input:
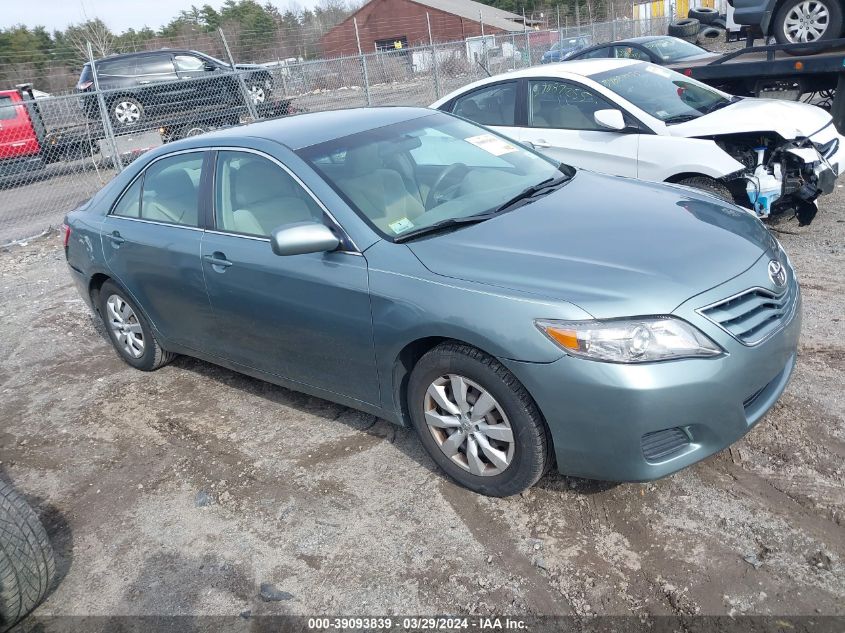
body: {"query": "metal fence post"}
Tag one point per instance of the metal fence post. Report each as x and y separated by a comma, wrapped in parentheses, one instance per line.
(612, 28)
(578, 17)
(484, 48)
(527, 37)
(363, 64)
(250, 104)
(559, 33)
(434, 67)
(513, 51)
(104, 111)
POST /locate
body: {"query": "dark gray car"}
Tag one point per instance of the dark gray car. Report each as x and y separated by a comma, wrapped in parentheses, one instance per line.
(519, 314)
(792, 21)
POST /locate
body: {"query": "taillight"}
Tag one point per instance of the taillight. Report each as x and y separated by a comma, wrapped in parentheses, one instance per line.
(84, 85)
(65, 235)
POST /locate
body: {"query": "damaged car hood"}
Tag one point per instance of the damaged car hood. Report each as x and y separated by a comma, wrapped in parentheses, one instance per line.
(789, 119)
(611, 245)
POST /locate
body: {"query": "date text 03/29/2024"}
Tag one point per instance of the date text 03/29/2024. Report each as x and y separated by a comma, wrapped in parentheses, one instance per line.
(417, 623)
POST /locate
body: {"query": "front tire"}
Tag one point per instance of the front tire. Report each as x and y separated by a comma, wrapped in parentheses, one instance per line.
(27, 565)
(477, 421)
(129, 331)
(709, 185)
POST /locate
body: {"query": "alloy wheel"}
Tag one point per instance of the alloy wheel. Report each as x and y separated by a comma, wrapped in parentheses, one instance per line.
(127, 112)
(469, 425)
(257, 94)
(806, 22)
(125, 326)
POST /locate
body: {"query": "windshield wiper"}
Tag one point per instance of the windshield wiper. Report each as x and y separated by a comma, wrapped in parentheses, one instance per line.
(440, 226)
(681, 118)
(526, 194)
(529, 192)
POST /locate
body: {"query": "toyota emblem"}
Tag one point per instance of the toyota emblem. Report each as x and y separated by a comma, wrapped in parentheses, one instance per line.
(777, 273)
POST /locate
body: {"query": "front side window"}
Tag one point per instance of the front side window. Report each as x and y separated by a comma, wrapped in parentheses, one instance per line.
(188, 63)
(562, 105)
(417, 173)
(171, 190)
(663, 93)
(254, 196)
(493, 105)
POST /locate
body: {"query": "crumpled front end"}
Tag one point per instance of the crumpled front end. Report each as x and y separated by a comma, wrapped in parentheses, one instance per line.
(784, 176)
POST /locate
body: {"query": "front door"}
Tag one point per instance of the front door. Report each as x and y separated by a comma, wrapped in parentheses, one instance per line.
(303, 317)
(561, 125)
(151, 240)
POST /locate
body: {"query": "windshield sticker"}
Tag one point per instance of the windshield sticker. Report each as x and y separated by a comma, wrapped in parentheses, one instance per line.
(491, 144)
(658, 70)
(400, 226)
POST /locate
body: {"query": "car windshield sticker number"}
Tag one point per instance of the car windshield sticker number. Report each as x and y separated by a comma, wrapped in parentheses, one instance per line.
(491, 144)
(400, 226)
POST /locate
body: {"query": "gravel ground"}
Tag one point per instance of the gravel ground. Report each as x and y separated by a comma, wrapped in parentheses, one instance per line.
(183, 490)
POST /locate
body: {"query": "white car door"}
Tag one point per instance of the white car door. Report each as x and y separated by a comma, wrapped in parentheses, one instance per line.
(561, 125)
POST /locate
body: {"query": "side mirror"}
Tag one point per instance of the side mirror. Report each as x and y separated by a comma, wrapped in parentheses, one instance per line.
(303, 237)
(610, 119)
(209, 66)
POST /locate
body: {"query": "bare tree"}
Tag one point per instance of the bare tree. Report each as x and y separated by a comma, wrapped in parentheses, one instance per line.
(94, 31)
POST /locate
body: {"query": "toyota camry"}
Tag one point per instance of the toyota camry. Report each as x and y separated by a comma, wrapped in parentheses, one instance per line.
(518, 313)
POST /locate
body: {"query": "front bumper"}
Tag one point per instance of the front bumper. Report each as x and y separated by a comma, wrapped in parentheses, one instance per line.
(599, 413)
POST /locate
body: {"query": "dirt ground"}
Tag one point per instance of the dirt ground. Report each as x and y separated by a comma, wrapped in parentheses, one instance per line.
(181, 491)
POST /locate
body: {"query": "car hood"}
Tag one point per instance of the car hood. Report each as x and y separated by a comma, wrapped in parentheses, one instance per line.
(613, 246)
(789, 119)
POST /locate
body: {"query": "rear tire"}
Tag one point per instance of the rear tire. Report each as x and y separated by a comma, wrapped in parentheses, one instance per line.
(129, 331)
(709, 185)
(126, 111)
(27, 565)
(513, 427)
(792, 11)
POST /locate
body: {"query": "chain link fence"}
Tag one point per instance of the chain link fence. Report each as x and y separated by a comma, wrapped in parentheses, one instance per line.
(57, 151)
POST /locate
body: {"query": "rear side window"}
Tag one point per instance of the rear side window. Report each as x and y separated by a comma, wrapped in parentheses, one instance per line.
(155, 65)
(7, 109)
(120, 67)
(129, 205)
(171, 190)
(492, 105)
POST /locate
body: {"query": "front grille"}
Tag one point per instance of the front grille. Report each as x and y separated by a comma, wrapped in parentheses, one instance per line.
(754, 315)
(660, 444)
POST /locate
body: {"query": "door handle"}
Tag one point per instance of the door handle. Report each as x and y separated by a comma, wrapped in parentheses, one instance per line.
(145, 82)
(217, 260)
(116, 239)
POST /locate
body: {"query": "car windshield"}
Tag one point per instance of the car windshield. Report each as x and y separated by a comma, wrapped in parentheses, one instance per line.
(430, 170)
(662, 93)
(672, 49)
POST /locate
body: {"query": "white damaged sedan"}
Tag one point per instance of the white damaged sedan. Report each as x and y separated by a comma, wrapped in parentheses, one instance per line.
(632, 118)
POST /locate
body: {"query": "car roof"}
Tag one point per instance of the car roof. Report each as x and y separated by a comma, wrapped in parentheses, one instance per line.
(303, 130)
(565, 69)
(150, 52)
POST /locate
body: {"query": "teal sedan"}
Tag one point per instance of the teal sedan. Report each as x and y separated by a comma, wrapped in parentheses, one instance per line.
(520, 315)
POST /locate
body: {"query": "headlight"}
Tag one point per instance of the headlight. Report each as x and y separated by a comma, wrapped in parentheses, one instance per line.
(630, 340)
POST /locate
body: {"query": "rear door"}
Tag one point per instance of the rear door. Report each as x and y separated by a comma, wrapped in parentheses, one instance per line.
(156, 76)
(17, 136)
(151, 240)
(561, 124)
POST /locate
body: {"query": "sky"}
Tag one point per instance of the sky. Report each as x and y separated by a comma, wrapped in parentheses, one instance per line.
(119, 15)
